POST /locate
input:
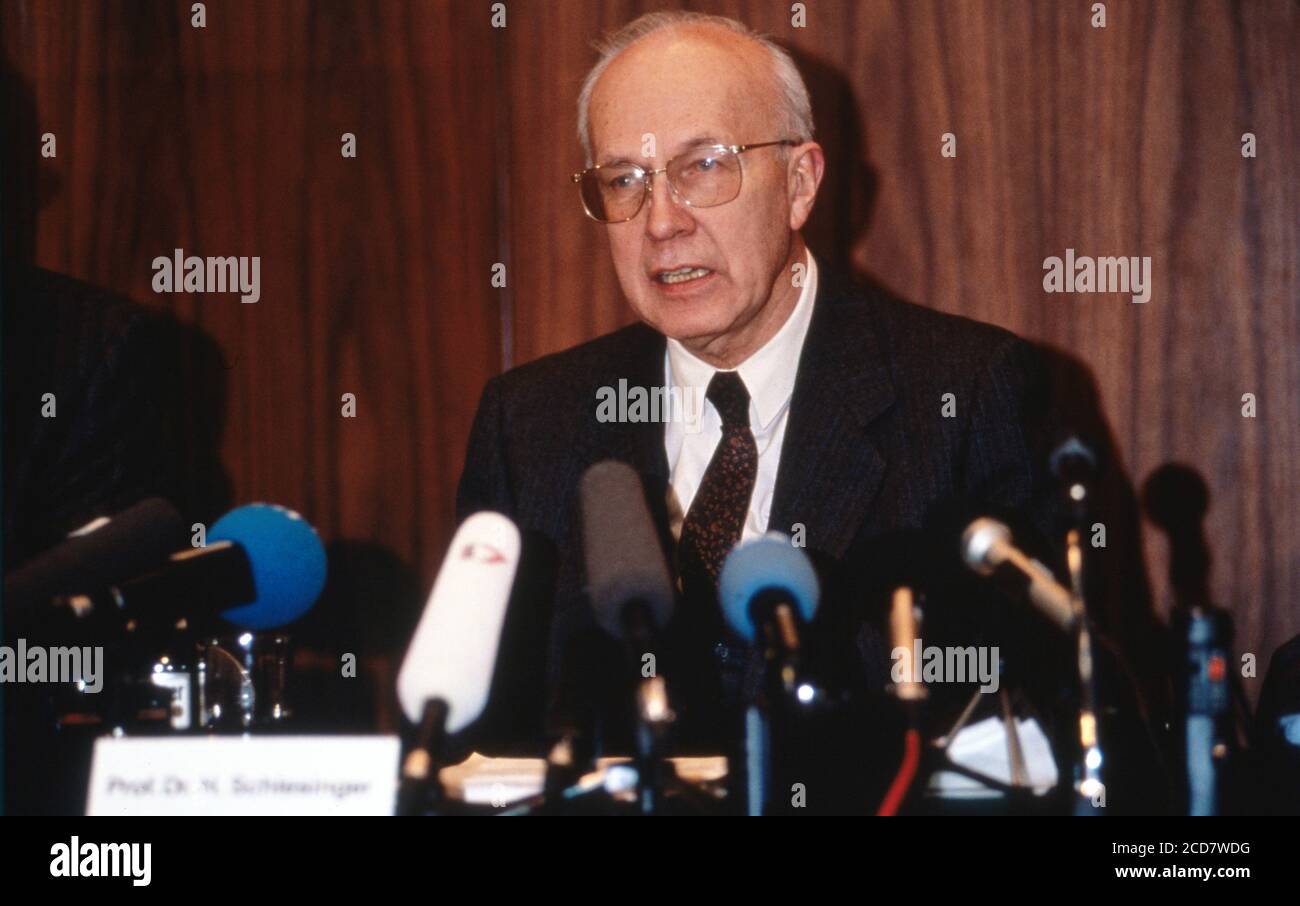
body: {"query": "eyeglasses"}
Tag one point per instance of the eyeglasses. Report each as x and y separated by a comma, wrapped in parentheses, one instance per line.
(703, 177)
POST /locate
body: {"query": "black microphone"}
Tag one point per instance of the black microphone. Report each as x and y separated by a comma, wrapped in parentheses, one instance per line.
(632, 599)
(627, 576)
(1076, 465)
(1075, 460)
(263, 567)
(132, 542)
(197, 582)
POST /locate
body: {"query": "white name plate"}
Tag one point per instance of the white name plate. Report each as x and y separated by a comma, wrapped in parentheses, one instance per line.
(244, 775)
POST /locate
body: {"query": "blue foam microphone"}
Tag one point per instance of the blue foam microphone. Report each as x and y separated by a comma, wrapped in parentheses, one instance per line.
(768, 591)
(286, 560)
(768, 582)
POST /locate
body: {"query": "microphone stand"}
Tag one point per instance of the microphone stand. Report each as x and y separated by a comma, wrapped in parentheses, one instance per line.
(1089, 786)
(419, 790)
(1090, 790)
(910, 693)
(789, 695)
(1019, 789)
(1176, 499)
(1204, 633)
(572, 779)
(569, 761)
(653, 713)
(758, 761)
(654, 719)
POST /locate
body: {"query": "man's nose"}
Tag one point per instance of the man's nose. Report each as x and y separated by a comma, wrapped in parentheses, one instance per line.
(668, 215)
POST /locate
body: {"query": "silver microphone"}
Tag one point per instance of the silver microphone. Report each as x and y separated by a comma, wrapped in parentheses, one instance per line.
(986, 545)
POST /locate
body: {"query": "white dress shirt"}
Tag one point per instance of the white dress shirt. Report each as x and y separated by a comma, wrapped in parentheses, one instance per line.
(769, 375)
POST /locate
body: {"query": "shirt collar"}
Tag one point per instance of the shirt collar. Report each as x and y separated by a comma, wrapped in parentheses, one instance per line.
(769, 374)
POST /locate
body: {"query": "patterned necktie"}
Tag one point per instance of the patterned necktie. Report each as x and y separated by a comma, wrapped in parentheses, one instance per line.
(717, 515)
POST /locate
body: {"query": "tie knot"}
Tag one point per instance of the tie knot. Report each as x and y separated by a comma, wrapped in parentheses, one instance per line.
(730, 397)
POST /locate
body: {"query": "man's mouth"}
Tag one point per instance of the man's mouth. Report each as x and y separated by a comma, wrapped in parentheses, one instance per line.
(681, 275)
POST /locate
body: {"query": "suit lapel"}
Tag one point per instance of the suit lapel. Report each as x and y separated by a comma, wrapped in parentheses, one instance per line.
(639, 444)
(830, 470)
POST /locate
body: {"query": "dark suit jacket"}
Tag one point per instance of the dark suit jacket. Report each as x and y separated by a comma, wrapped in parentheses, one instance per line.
(107, 447)
(110, 445)
(868, 456)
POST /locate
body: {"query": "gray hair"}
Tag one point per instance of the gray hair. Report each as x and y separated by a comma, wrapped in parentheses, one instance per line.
(795, 107)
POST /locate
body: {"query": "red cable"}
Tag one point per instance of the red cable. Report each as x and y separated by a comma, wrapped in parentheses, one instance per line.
(906, 774)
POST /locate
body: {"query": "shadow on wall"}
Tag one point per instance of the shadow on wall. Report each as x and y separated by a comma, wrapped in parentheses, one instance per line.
(141, 411)
(141, 396)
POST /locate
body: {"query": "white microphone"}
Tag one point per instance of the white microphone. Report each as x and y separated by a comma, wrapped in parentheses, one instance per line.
(453, 653)
(986, 545)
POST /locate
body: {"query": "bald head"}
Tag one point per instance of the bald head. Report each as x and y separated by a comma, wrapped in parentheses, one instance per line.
(766, 67)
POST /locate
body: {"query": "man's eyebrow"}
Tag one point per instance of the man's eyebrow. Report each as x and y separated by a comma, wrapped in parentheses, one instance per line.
(688, 145)
(697, 141)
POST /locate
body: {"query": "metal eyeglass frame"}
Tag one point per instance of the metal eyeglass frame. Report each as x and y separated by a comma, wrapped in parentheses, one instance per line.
(648, 177)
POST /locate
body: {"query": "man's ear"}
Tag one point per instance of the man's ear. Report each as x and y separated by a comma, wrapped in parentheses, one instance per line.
(806, 166)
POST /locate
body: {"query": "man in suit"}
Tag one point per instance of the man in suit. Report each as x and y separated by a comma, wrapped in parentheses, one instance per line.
(844, 418)
(85, 435)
